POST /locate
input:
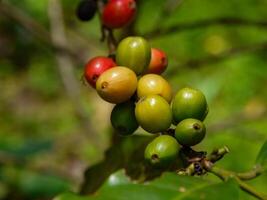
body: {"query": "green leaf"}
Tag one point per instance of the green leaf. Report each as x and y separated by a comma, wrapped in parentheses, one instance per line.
(69, 196)
(30, 147)
(220, 191)
(35, 185)
(168, 186)
(32, 184)
(262, 156)
(127, 153)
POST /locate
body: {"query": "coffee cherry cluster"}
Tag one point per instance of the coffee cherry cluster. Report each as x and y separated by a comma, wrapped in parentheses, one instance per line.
(188, 110)
(144, 98)
(114, 14)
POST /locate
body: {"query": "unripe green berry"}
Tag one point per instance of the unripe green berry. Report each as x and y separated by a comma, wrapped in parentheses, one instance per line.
(123, 118)
(162, 151)
(153, 113)
(134, 53)
(189, 103)
(190, 132)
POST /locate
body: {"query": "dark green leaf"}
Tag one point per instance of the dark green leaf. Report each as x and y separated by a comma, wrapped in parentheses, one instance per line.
(32, 184)
(126, 152)
(168, 186)
(220, 191)
(262, 156)
(69, 196)
(35, 185)
(29, 148)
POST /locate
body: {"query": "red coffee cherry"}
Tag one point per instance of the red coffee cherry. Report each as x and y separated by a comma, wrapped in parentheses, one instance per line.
(95, 67)
(118, 13)
(158, 62)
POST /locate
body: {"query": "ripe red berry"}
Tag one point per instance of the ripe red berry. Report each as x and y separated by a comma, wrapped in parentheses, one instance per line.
(158, 62)
(118, 13)
(95, 67)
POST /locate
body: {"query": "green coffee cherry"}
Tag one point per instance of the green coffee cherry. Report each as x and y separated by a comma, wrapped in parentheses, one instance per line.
(153, 113)
(162, 151)
(189, 103)
(190, 132)
(123, 118)
(135, 53)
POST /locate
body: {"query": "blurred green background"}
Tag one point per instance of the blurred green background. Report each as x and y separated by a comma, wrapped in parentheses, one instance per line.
(52, 126)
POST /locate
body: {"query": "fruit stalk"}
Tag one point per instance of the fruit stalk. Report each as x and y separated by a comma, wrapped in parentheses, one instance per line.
(218, 154)
(225, 175)
(255, 172)
(207, 164)
(106, 33)
(65, 65)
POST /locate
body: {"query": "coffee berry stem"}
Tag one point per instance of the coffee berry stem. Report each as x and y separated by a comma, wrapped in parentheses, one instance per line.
(255, 172)
(111, 41)
(218, 154)
(200, 164)
(169, 131)
(106, 33)
(225, 175)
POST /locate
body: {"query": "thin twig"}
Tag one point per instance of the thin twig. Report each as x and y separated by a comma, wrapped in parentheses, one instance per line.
(112, 43)
(43, 35)
(100, 7)
(106, 33)
(37, 30)
(233, 121)
(225, 175)
(226, 21)
(196, 63)
(65, 65)
(169, 7)
(28, 23)
(218, 154)
(247, 188)
(254, 173)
